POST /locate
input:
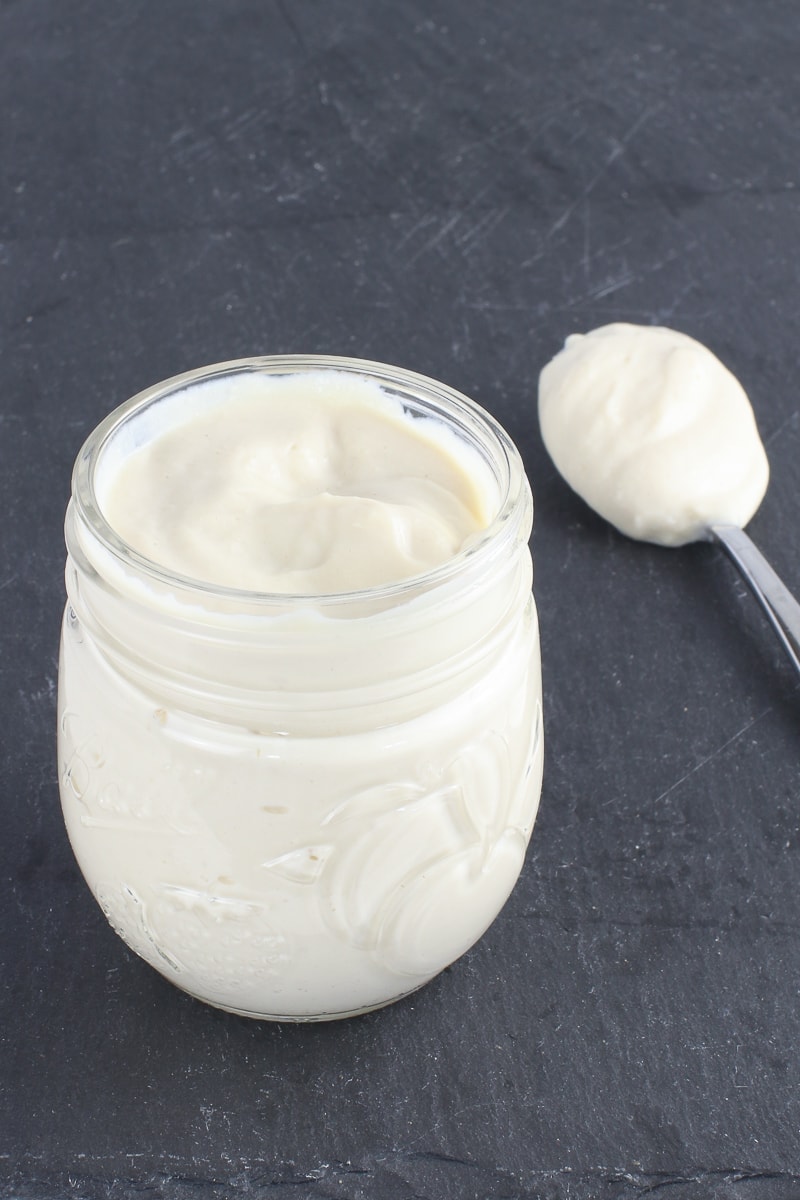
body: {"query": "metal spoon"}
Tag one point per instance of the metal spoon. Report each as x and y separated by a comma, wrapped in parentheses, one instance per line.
(778, 603)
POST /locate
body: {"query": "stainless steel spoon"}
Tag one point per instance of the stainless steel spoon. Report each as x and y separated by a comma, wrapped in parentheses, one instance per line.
(780, 606)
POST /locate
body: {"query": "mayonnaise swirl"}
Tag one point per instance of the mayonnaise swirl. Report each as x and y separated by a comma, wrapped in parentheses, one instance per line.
(314, 483)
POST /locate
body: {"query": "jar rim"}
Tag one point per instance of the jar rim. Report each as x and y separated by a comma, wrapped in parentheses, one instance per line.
(456, 408)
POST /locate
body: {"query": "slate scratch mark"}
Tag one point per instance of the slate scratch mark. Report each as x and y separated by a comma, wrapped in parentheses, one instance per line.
(424, 221)
(482, 228)
(614, 285)
(291, 25)
(714, 754)
(791, 420)
(667, 312)
(492, 135)
(481, 305)
(607, 288)
(243, 121)
(188, 148)
(433, 242)
(617, 151)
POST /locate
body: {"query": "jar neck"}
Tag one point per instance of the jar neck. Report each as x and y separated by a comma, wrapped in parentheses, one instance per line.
(290, 662)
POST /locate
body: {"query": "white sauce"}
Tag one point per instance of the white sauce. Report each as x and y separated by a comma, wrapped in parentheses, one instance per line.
(298, 809)
(308, 484)
(650, 428)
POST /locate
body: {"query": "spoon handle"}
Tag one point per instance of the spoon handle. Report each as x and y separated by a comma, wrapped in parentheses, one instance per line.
(769, 590)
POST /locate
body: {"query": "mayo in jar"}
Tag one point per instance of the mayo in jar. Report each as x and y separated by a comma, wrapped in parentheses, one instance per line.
(299, 698)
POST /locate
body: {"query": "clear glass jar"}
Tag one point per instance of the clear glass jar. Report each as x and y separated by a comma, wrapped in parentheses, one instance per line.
(299, 807)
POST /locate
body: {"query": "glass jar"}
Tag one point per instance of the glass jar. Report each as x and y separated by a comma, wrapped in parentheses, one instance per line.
(299, 807)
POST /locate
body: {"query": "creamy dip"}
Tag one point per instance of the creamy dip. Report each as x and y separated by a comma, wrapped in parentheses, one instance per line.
(650, 428)
(314, 483)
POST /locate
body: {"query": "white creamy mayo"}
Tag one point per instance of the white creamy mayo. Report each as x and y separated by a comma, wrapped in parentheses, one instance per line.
(300, 806)
(655, 434)
(308, 484)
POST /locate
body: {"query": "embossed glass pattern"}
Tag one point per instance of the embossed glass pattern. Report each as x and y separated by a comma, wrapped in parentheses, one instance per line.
(300, 807)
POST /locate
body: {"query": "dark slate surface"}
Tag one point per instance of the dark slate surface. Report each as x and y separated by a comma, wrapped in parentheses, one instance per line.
(451, 185)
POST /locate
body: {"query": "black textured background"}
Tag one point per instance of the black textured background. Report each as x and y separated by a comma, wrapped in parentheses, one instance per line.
(452, 186)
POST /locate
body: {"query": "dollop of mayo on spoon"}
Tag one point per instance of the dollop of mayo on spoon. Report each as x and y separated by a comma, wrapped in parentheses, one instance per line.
(653, 432)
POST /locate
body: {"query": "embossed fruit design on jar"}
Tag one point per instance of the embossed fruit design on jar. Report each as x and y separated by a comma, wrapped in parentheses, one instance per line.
(300, 794)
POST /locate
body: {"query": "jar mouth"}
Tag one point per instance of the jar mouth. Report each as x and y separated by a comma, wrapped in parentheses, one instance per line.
(418, 393)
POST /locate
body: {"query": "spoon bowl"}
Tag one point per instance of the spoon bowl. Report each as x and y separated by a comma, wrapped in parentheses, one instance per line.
(660, 439)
